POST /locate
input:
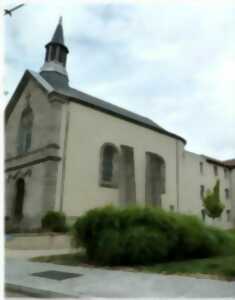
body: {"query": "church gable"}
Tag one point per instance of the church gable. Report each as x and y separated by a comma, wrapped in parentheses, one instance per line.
(29, 119)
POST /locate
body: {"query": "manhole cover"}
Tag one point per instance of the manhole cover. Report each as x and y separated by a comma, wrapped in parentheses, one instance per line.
(56, 275)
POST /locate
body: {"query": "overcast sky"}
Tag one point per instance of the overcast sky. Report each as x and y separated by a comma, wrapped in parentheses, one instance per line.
(172, 61)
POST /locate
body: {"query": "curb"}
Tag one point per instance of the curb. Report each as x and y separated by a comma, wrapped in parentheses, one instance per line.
(38, 293)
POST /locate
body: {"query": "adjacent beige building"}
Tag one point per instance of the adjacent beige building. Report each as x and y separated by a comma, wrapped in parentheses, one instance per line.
(69, 151)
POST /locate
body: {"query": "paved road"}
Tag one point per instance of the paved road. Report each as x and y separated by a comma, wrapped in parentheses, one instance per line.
(96, 282)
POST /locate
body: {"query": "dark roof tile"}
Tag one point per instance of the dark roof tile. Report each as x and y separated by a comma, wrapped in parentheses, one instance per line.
(83, 98)
(58, 36)
(223, 163)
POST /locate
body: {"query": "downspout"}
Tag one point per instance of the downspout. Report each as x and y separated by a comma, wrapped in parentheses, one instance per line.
(177, 177)
(64, 156)
(232, 195)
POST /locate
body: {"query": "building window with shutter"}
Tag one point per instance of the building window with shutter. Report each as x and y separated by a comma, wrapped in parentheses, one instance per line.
(227, 194)
(201, 168)
(215, 170)
(225, 173)
(202, 191)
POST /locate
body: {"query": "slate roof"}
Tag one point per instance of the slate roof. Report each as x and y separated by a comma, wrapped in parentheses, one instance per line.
(53, 83)
(223, 163)
(80, 97)
(230, 162)
(58, 36)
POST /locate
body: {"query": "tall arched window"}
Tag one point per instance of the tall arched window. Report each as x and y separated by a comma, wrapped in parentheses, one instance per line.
(155, 178)
(25, 130)
(109, 166)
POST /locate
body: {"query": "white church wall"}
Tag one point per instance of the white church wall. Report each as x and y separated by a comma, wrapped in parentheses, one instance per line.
(88, 130)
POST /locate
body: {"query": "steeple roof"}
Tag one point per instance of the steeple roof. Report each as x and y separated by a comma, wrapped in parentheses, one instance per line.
(56, 56)
(58, 36)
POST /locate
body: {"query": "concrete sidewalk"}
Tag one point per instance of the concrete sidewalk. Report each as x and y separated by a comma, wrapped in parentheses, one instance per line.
(27, 254)
(96, 282)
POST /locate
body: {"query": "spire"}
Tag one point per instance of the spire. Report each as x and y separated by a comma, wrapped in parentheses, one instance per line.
(58, 36)
(56, 55)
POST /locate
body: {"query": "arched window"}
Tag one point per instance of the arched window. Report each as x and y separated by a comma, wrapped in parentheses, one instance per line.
(25, 130)
(109, 166)
(155, 178)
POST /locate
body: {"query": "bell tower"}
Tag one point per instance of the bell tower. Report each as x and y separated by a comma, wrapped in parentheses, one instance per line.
(54, 67)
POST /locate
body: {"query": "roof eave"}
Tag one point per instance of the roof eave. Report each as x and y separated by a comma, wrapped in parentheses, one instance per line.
(219, 163)
(76, 100)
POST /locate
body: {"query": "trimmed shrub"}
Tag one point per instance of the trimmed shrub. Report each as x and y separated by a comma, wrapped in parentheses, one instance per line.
(137, 236)
(194, 239)
(88, 228)
(109, 249)
(143, 246)
(225, 239)
(54, 221)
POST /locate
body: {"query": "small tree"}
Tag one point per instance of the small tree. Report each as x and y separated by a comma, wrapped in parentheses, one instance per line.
(212, 203)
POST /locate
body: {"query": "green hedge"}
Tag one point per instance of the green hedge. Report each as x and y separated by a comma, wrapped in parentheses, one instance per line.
(141, 236)
(54, 221)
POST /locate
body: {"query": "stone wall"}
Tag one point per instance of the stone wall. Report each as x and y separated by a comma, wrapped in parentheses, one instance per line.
(40, 166)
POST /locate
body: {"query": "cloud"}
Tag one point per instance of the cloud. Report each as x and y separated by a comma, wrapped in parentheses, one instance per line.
(172, 61)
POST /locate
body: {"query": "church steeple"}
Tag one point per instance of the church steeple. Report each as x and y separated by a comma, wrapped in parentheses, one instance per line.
(58, 37)
(56, 55)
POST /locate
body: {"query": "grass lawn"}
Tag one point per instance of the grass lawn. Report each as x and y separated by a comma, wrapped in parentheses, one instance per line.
(222, 267)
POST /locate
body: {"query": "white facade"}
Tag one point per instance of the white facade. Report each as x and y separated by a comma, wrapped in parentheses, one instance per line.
(63, 166)
(90, 129)
(80, 132)
(197, 174)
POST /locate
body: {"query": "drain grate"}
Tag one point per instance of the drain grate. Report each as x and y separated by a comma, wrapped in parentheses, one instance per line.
(56, 275)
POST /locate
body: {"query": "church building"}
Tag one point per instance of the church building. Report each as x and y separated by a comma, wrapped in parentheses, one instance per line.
(69, 151)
